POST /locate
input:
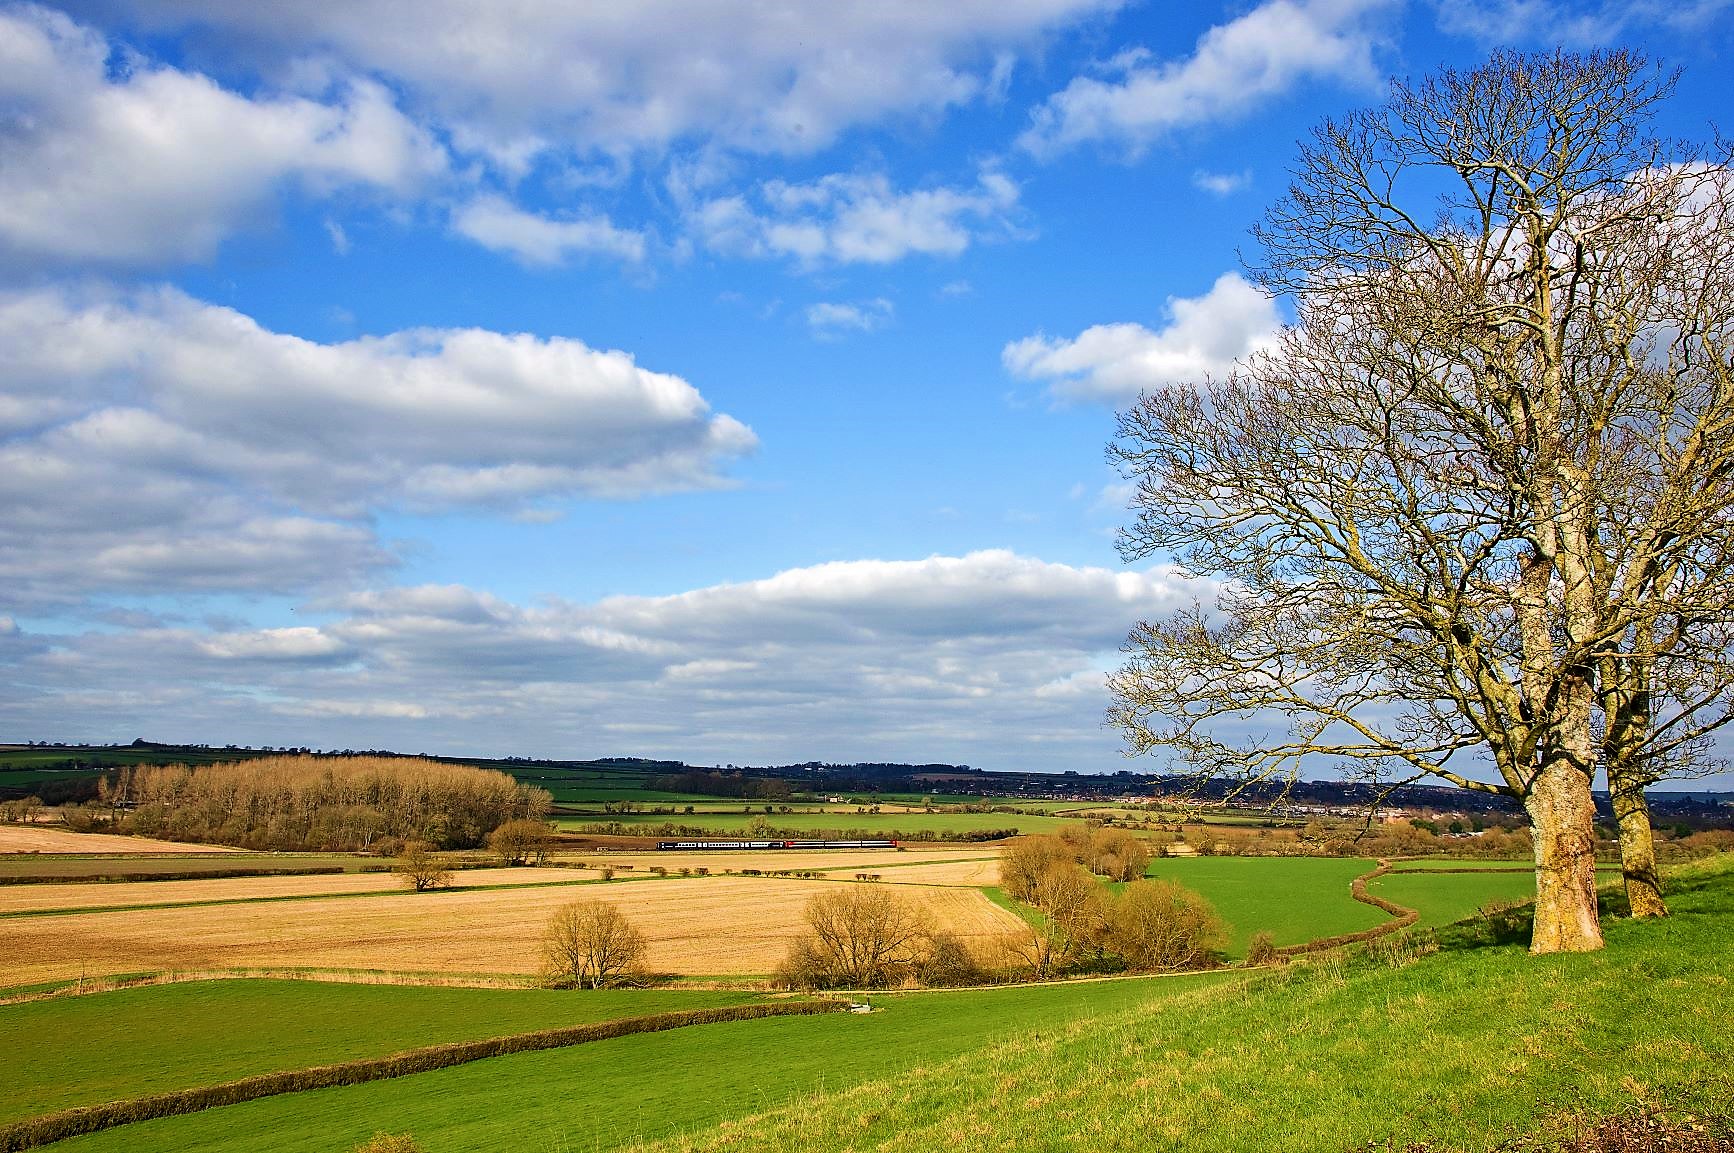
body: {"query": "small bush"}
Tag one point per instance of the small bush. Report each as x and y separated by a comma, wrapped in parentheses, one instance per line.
(389, 1143)
(948, 963)
(423, 869)
(1261, 950)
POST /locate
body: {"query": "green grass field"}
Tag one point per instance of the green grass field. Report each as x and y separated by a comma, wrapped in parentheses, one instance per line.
(1294, 899)
(609, 1094)
(132, 1042)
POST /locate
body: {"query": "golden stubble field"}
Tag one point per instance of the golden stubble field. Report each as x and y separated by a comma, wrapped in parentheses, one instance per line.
(716, 925)
(45, 839)
(88, 895)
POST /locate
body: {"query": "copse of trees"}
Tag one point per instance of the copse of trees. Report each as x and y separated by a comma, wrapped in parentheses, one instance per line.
(319, 803)
(1147, 926)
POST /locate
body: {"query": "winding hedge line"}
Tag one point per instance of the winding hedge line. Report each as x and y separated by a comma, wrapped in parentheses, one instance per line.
(1404, 915)
(49, 1127)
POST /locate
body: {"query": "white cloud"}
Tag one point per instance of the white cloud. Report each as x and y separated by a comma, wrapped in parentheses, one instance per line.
(157, 442)
(975, 658)
(854, 219)
(1234, 68)
(148, 163)
(1586, 25)
(1204, 336)
(1222, 183)
(495, 223)
(782, 75)
(829, 320)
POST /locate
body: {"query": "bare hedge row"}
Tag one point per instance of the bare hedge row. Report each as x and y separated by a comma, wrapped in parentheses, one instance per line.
(181, 875)
(50, 1127)
(1404, 915)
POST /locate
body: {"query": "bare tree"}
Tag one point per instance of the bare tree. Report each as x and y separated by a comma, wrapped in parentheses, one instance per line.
(422, 868)
(519, 841)
(1161, 925)
(590, 945)
(1073, 917)
(865, 937)
(1496, 434)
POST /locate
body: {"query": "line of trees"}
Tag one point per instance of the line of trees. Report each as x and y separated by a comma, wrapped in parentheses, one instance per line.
(315, 803)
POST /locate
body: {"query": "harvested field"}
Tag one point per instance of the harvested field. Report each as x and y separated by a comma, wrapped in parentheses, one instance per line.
(49, 839)
(711, 925)
(960, 874)
(32, 898)
(765, 859)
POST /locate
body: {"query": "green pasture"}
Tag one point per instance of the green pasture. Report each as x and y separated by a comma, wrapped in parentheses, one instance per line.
(1294, 899)
(606, 1095)
(871, 824)
(132, 1042)
(1442, 898)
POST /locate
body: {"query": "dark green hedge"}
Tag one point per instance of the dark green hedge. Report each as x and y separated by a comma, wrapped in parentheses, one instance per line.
(91, 1118)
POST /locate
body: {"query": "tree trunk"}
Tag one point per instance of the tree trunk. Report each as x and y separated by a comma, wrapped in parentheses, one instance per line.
(1562, 821)
(1637, 850)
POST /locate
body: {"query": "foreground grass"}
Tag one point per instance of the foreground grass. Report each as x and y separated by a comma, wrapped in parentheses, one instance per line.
(613, 1093)
(134, 1042)
(1460, 1048)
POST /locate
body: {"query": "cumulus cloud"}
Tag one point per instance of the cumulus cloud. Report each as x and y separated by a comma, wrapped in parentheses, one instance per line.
(157, 442)
(979, 658)
(107, 158)
(854, 219)
(1234, 68)
(785, 76)
(1204, 336)
(532, 239)
(829, 320)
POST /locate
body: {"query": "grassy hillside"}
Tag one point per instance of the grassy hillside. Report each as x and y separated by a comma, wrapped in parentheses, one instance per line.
(609, 1094)
(1460, 1048)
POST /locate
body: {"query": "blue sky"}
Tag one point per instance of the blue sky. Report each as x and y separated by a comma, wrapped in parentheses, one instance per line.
(680, 378)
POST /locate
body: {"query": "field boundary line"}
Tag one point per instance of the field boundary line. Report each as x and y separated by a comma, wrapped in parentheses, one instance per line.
(58, 1126)
(210, 902)
(1402, 914)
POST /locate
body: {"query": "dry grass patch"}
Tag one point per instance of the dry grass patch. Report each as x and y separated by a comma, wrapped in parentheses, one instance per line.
(49, 839)
(34, 898)
(726, 925)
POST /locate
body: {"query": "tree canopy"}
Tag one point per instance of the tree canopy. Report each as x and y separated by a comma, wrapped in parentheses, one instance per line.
(1477, 500)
